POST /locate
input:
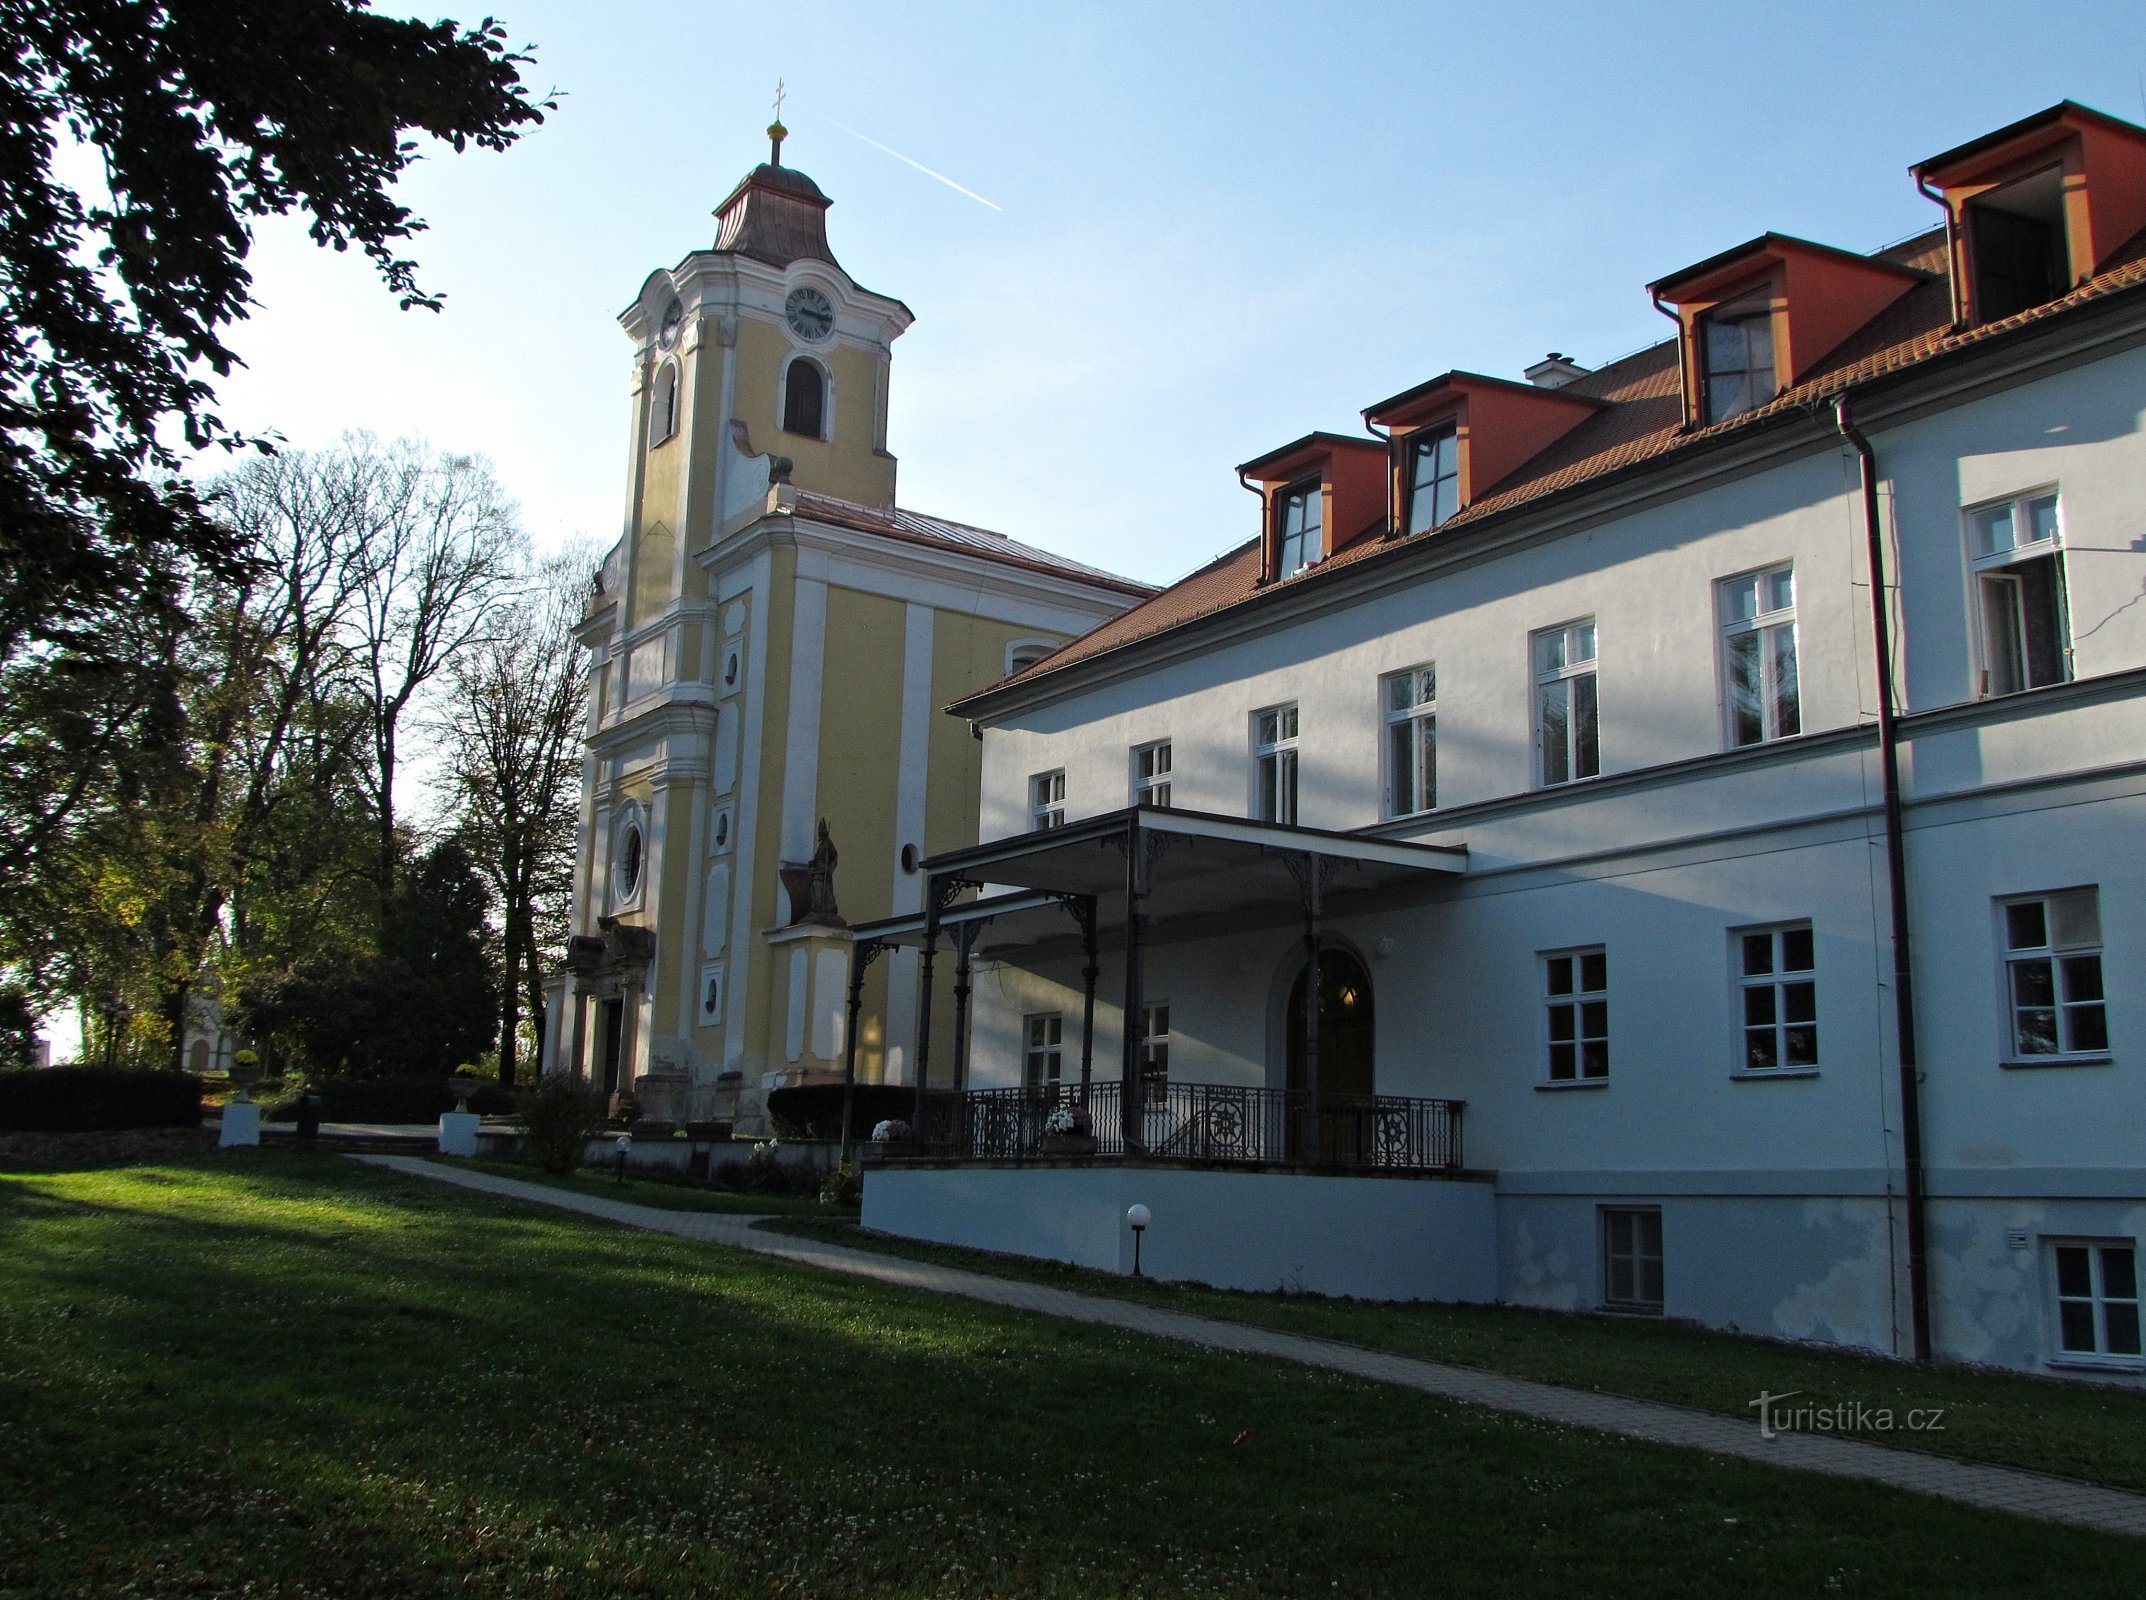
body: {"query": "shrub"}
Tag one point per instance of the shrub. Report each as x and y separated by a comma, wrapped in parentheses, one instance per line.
(561, 1112)
(392, 1100)
(95, 1099)
(842, 1187)
(814, 1110)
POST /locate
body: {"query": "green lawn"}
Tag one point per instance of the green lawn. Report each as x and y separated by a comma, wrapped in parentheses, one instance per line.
(2075, 1430)
(279, 1375)
(646, 1192)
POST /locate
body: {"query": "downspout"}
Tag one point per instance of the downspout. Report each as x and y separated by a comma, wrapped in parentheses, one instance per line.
(1952, 251)
(1683, 361)
(1393, 478)
(1897, 885)
(1266, 534)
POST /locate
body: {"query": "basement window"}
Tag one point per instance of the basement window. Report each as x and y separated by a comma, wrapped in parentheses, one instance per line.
(2015, 238)
(2019, 582)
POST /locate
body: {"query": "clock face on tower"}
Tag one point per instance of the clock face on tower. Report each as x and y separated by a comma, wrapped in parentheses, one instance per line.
(808, 313)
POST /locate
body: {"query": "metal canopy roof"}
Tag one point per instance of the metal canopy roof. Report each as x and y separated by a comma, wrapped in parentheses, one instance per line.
(1202, 865)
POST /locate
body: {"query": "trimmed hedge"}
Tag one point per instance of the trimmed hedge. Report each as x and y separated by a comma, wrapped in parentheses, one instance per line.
(814, 1110)
(97, 1099)
(408, 1100)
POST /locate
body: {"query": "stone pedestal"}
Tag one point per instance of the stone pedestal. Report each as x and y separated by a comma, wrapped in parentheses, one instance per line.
(458, 1133)
(242, 1124)
(660, 1096)
(813, 964)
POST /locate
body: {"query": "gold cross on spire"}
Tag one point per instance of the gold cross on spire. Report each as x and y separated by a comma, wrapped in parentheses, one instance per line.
(776, 130)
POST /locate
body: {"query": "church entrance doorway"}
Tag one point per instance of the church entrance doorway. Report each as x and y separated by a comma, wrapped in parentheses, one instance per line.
(613, 1035)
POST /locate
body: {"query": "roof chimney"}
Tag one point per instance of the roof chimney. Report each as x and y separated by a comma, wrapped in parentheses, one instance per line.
(1554, 371)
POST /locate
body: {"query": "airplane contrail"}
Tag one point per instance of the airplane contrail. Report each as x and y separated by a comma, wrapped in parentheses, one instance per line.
(942, 177)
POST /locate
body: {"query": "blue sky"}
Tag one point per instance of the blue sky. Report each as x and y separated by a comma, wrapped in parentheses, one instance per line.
(1221, 226)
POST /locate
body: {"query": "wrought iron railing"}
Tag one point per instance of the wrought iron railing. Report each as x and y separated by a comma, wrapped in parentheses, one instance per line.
(1213, 1122)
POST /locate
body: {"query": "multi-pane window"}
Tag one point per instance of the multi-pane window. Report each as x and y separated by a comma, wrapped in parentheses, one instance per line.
(1043, 1059)
(1155, 1052)
(1411, 701)
(1433, 478)
(1274, 764)
(1576, 998)
(2019, 581)
(2052, 962)
(2097, 1299)
(1777, 976)
(1568, 733)
(1758, 650)
(1151, 774)
(1297, 528)
(1737, 348)
(1047, 800)
(1632, 1257)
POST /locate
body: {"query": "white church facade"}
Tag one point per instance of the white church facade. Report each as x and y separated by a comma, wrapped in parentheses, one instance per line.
(1692, 935)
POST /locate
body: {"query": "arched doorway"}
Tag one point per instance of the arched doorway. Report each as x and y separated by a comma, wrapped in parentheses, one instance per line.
(1346, 1076)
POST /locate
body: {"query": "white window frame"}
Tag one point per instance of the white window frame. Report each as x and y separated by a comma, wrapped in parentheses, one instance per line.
(1564, 677)
(1579, 1028)
(2098, 1300)
(1151, 773)
(1043, 1058)
(1047, 800)
(2064, 948)
(1989, 566)
(827, 398)
(1780, 990)
(1275, 763)
(1413, 721)
(1634, 1251)
(1021, 654)
(1774, 627)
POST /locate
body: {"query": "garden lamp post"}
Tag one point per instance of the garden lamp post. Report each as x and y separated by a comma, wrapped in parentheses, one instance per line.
(1139, 1217)
(625, 1148)
(117, 1013)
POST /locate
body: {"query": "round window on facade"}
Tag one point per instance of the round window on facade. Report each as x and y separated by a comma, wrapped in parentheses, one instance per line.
(627, 867)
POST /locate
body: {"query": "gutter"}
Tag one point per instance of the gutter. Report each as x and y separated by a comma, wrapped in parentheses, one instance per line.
(1911, 1155)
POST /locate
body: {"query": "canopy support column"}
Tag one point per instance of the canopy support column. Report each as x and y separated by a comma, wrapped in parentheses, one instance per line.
(1133, 1123)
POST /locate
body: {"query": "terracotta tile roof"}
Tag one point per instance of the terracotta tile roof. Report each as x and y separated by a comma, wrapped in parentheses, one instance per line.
(914, 527)
(1642, 421)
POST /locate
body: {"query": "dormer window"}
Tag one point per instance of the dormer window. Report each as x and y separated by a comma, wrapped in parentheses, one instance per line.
(804, 399)
(1434, 477)
(1298, 528)
(1739, 374)
(2035, 209)
(2015, 239)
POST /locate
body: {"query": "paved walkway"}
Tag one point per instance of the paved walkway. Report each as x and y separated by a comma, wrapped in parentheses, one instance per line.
(2025, 1494)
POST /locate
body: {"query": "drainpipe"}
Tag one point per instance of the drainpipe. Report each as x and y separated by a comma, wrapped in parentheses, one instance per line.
(1953, 264)
(1266, 542)
(1683, 361)
(1897, 884)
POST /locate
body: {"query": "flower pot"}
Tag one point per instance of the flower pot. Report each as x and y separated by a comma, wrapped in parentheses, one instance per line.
(1069, 1144)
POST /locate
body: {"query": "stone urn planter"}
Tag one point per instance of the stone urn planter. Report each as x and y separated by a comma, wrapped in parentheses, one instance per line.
(245, 1073)
(1069, 1144)
(462, 1085)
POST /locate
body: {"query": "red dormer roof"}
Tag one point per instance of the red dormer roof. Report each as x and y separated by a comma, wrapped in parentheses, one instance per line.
(1502, 425)
(2100, 166)
(1352, 478)
(1820, 298)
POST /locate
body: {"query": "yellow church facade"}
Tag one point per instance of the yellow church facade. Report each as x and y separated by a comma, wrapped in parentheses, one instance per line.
(771, 644)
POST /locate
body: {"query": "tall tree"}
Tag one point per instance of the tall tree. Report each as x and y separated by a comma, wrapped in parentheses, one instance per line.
(445, 549)
(114, 303)
(512, 728)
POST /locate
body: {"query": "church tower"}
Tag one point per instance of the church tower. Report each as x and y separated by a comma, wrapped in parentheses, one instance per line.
(770, 642)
